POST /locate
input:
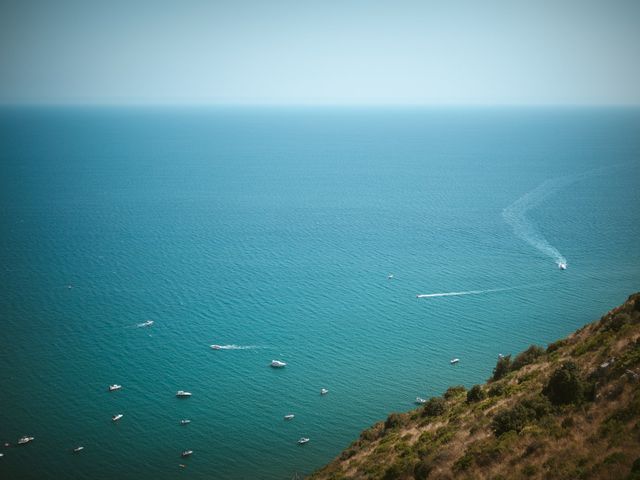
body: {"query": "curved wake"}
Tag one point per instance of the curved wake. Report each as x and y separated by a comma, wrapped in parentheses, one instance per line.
(516, 215)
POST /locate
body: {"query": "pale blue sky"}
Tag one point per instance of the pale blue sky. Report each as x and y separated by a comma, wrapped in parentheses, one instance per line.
(465, 52)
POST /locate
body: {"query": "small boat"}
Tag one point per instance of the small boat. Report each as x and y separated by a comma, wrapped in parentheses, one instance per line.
(115, 386)
(185, 421)
(562, 265)
(78, 449)
(1, 455)
(278, 364)
(117, 417)
(323, 391)
(420, 400)
(303, 440)
(148, 323)
(24, 440)
(183, 394)
(216, 347)
(500, 355)
(390, 276)
(289, 416)
(7, 444)
(186, 453)
(454, 361)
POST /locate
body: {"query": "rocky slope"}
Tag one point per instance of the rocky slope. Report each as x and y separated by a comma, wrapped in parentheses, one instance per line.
(570, 411)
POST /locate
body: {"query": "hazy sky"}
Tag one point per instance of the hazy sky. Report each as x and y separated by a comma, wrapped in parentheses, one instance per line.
(320, 52)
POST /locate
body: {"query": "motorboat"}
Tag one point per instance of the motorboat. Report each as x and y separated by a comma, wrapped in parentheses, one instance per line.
(185, 421)
(186, 453)
(78, 449)
(117, 417)
(454, 361)
(115, 386)
(303, 440)
(323, 391)
(289, 416)
(420, 400)
(183, 394)
(24, 440)
(390, 276)
(216, 347)
(562, 265)
(148, 323)
(278, 364)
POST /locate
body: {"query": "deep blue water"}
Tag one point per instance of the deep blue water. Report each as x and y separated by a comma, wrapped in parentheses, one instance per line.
(277, 229)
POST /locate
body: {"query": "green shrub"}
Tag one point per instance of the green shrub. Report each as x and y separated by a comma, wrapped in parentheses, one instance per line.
(453, 392)
(476, 394)
(497, 390)
(507, 420)
(565, 385)
(435, 406)
(536, 407)
(503, 366)
(394, 420)
(527, 357)
(422, 469)
(552, 347)
(529, 470)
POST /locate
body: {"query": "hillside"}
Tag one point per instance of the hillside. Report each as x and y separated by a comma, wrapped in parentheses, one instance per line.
(570, 411)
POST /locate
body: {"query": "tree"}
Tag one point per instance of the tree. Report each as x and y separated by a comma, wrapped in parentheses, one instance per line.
(565, 385)
(475, 394)
(435, 406)
(527, 357)
(507, 420)
(502, 367)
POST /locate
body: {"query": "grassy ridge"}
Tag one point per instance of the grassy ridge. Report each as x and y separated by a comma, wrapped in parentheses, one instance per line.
(570, 411)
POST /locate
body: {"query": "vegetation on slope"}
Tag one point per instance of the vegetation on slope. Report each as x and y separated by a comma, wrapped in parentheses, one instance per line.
(570, 411)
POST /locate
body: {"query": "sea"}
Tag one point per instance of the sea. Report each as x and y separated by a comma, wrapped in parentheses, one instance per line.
(321, 237)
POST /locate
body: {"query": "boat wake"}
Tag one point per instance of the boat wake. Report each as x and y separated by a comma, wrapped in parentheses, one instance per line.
(234, 347)
(516, 215)
(467, 292)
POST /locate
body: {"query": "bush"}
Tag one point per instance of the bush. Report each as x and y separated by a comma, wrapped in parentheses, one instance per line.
(453, 392)
(527, 357)
(513, 419)
(422, 469)
(552, 347)
(394, 420)
(476, 394)
(497, 389)
(565, 385)
(537, 407)
(503, 366)
(435, 406)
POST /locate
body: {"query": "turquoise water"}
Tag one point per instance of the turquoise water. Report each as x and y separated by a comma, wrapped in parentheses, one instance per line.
(277, 230)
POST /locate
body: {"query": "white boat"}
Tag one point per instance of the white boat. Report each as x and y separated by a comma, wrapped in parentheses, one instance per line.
(117, 417)
(562, 265)
(186, 453)
(24, 440)
(278, 364)
(289, 416)
(148, 323)
(185, 421)
(390, 276)
(454, 361)
(78, 449)
(183, 394)
(115, 386)
(420, 400)
(303, 440)
(216, 347)
(323, 391)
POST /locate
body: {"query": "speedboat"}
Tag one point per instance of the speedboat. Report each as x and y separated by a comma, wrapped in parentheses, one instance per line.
(183, 394)
(303, 440)
(562, 265)
(148, 323)
(185, 421)
(289, 416)
(115, 386)
(454, 361)
(420, 400)
(117, 417)
(323, 391)
(390, 276)
(216, 347)
(78, 449)
(278, 364)
(24, 440)
(186, 453)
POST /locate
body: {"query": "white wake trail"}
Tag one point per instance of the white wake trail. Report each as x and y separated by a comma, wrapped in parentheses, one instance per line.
(234, 347)
(516, 215)
(467, 292)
